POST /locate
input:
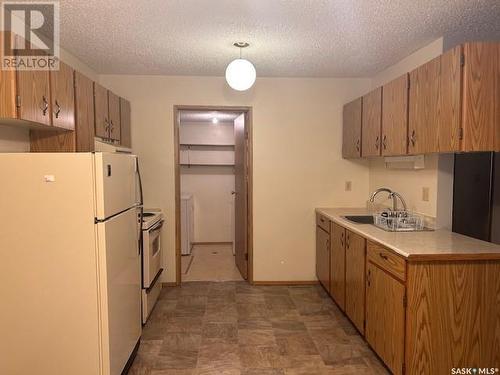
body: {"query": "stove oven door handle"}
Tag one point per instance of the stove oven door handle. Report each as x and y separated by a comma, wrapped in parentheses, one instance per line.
(156, 227)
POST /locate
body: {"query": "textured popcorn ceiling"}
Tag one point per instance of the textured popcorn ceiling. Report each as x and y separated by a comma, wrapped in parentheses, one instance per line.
(288, 38)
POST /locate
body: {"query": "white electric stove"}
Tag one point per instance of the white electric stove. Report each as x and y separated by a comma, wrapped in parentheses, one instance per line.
(152, 224)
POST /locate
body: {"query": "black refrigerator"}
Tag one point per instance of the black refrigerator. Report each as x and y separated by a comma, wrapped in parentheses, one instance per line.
(476, 195)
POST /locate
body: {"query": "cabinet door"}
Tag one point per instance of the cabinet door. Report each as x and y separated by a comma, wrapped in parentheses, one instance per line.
(84, 98)
(33, 89)
(125, 134)
(351, 136)
(481, 98)
(385, 317)
(371, 123)
(355, 256)
(337, 265)
(101, 111)
(323, 257)
(114, 116)
(450, 101)
(423, 109)
(63, 97)
(395, 117)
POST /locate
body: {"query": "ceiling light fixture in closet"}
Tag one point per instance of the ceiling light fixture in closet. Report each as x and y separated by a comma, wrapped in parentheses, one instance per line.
(240, 73)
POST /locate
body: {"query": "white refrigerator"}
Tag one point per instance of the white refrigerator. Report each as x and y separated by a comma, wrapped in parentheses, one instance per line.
(70, 279)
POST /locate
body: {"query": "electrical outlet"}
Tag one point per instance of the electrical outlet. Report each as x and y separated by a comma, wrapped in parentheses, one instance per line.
(348, 185)
(425, 194)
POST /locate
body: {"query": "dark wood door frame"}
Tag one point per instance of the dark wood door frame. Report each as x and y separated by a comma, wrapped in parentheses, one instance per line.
(248, 124)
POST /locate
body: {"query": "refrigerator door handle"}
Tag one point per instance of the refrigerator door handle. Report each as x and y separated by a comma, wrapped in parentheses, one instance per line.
(139, 180)
(141, 202)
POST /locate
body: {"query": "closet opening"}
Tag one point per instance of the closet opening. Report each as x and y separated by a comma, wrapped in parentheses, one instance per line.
(213, 185)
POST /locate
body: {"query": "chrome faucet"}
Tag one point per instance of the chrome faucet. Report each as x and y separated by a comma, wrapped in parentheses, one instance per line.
(392, 195)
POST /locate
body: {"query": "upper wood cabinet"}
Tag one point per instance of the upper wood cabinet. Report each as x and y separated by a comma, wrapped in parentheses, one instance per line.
(84, 95)
(351, 142)
(38, 98)
(449, 105)
(33, 96)
(63, 97)
(323, 256)
(101, 111)
(434, 109)
(395, 116)
(355, 256)
(385, 317)
(371, 123)
(481, 97)
(453, 105)
(63, 109)
(125, 123)
(114, 116)
(423, 109)
(337, 265)
(81, 139)
(107, 114)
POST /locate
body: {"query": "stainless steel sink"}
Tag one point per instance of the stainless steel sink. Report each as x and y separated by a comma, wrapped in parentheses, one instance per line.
(360, 219)
(392, 221)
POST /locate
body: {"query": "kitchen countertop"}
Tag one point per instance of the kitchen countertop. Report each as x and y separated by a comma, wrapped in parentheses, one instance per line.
(428, 245)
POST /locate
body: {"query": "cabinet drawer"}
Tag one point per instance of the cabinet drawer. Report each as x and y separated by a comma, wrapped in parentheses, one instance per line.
(323, 222)
(386, 259)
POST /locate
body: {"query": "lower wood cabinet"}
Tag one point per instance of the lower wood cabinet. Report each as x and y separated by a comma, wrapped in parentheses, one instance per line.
(323, 256)
(453, 317)
(385, 316)
(421, 316)
(355, 258)
(337, 265)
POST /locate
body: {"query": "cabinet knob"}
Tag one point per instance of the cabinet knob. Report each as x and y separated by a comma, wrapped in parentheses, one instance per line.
(58, 109)
(384, 142)
(413, 138)
(45, 105)
(357, 145)
(377, 142)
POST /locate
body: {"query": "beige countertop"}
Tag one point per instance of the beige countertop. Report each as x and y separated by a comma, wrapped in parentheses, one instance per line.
(432, 245)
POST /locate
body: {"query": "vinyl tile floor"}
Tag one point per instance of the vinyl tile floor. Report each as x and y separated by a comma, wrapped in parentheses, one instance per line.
(233, 328)
(210, 263)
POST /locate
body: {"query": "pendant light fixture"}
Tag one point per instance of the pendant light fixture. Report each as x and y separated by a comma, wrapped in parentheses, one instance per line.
(240, 73)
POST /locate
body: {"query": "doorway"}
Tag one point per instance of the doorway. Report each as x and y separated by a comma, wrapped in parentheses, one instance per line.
(213, 185)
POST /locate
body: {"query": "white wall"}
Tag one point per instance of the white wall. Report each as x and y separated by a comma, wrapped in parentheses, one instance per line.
(297, 128)
(211, 186)
(438, 173)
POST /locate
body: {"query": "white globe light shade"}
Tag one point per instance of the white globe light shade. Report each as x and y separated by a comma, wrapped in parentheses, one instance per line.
(240, 74)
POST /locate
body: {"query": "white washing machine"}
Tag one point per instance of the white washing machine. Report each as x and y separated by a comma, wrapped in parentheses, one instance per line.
(187, 223)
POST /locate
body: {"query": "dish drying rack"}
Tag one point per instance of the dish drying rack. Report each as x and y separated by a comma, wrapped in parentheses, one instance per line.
(399, 221)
